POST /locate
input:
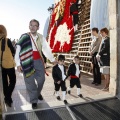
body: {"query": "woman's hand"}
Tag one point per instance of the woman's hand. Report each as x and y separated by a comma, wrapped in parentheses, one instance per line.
(59, 82)
(98, 57)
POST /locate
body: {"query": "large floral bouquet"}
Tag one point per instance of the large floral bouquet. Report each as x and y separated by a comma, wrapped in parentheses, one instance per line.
(61, 35)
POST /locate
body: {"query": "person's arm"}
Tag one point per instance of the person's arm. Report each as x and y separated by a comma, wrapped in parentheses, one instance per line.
(105, 47)
(54, 75)
(69, 71)
(89, 50)
(17, 58)
(47, 50)
(80, 71)
(11, 47)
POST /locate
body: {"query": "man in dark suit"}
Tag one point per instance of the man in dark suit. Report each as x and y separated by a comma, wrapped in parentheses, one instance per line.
(59, 76)
(93, 52)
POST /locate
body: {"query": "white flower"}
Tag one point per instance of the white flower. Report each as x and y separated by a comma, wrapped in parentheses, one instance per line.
(50, 35)
(62, 35)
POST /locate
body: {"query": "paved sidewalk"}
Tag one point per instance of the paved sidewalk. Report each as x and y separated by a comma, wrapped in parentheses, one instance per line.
(21, 98)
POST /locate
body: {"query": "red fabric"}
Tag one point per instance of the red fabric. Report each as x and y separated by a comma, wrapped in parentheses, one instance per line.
(73, 1)
(73, 76)
(75, 12)
(66, 19)
(36, 55)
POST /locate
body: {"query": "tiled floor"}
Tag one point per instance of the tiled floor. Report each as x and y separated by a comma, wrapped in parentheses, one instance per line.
(21, 98)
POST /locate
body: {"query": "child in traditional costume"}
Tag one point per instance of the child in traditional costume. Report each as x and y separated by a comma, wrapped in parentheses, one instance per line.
(74, 74)
(59, 76)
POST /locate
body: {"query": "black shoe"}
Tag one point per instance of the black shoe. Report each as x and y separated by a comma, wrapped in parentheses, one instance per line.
(40, 97)
(80, 95)
(97, 84)
(8, 99)
(93, 82)
(11, 100)
(34, 105)
(58, 98)
(8, 103)
(69, 92)
(65, 102)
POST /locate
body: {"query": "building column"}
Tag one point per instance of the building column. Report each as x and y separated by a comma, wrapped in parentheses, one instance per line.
(114, 39)
(118, 48)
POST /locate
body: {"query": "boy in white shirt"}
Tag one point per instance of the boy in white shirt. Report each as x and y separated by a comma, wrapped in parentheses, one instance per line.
(59, 76)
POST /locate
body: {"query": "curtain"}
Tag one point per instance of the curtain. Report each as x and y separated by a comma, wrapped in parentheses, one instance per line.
(99, 14)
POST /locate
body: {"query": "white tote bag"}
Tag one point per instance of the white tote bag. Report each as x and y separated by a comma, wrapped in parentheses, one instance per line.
(105, 69)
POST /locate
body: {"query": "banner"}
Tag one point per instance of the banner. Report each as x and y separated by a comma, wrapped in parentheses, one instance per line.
(61, 33)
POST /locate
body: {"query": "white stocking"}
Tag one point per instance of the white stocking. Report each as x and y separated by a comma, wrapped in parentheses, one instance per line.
(64, 95)
(76, 27)
(69, 88)
(78, 91)
(57, 93)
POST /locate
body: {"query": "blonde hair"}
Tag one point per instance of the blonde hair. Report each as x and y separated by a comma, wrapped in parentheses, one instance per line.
(3, 31)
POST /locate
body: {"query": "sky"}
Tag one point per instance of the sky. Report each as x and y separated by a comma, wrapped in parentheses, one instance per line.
(16, 14)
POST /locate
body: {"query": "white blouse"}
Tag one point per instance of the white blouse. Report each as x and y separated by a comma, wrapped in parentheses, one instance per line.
(77, 70)
(62, 70)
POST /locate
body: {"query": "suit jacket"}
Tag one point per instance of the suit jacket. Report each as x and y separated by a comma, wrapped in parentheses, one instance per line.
(95, 45)
(105, 47)
(72, 70)
(104, 52)
(57, 73)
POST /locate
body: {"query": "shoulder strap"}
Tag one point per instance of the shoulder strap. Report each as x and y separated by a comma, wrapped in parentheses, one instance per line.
(38, 51)
(3, 45)
(2, 48)
(34, 42)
